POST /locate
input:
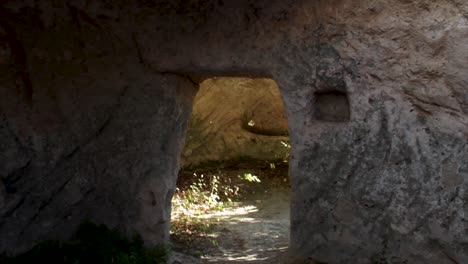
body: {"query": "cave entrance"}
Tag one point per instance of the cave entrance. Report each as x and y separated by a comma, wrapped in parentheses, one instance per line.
(233, 195)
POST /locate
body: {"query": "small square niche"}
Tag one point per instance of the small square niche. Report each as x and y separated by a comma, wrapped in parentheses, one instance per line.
(332, 106)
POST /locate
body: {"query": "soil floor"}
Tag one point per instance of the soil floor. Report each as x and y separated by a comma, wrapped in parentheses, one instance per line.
(254, 230)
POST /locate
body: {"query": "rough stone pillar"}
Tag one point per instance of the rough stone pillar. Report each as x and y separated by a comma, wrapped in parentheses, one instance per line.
(379, 152)
(103, 146)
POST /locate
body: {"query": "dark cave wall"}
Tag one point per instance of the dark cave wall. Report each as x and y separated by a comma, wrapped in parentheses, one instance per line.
(98, 138)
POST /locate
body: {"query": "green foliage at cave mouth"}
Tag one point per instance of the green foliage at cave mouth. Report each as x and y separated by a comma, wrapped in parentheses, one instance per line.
(92, 244)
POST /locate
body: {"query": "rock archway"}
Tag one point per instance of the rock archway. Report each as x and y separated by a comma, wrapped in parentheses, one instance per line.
(94, 99)
(232, 202)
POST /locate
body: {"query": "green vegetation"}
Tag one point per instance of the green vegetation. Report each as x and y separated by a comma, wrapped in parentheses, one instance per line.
(251, 178)
(213, 197)
(208, 194)
(92, 244)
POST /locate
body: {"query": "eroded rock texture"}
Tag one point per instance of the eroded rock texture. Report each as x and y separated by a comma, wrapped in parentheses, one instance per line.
(93, 117)
(236, 118)
(96, 135)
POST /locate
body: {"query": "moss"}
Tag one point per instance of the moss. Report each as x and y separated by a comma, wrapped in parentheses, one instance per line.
(92, 244)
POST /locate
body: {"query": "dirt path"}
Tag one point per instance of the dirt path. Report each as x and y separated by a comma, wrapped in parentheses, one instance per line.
(256, 231)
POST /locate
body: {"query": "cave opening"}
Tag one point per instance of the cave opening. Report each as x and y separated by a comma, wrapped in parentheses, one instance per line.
(232, 202)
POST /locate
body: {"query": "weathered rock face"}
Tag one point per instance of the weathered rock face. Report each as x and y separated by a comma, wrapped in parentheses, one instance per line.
(236, 118)
(95, 136)
(375, 93)
(92, 153)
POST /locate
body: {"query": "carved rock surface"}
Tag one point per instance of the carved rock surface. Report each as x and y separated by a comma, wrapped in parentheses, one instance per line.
(385, 181)
(235, 118)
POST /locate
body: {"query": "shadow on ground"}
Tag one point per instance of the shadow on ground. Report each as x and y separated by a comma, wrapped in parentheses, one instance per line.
(256, 230)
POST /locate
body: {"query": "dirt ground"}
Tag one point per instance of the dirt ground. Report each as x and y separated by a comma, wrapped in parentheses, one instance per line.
(255, 230)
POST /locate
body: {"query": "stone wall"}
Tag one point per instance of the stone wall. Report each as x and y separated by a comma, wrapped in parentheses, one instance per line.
(375, 93)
